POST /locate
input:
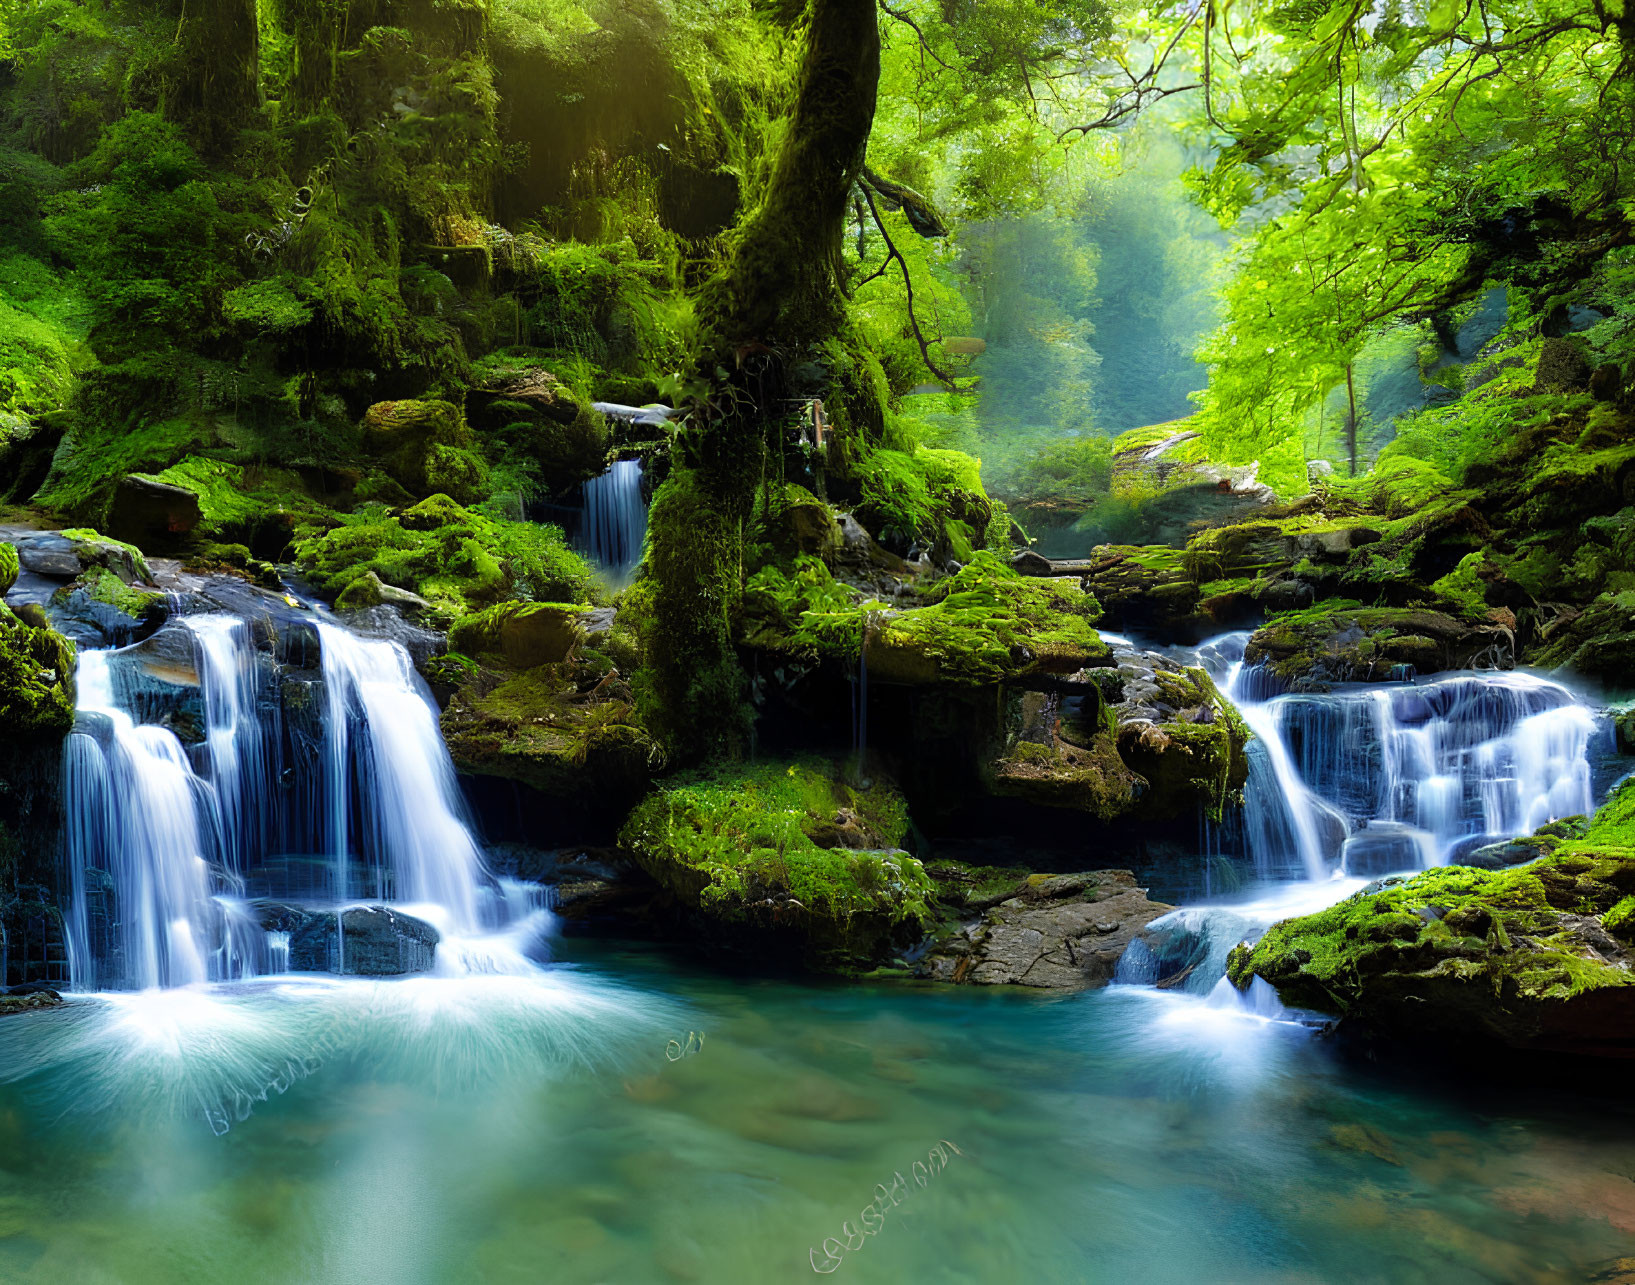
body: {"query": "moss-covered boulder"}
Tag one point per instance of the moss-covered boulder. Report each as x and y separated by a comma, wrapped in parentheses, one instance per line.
(96, 593)
(1064, 755)
(523, 413)
(1187, 744)
(1541, 956)
(426, 447)
(36, 681)
(1153, 741)
(520, 635)
(787, 858)
(985, 625)
(568, 730)
(1163, 472)
(1339, 640)
(455, 558)
(1147, 589)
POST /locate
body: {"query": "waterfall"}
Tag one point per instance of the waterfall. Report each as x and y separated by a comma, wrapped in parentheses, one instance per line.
(149, 841)
(1374, 780)
(164, 839)
(396, 776)
(615, 522)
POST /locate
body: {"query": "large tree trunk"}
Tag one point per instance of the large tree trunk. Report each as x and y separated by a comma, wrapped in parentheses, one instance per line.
(776, 307)
(782, 288)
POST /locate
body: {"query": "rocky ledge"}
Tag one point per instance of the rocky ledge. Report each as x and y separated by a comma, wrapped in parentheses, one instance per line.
(1062, 932)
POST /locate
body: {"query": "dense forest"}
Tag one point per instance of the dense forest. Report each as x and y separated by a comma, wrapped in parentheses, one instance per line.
(905, 491)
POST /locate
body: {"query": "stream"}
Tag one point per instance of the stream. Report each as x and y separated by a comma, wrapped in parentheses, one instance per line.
(538, 1107)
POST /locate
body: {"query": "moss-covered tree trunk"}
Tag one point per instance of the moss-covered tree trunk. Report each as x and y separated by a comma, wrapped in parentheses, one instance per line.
(775, 308)
(216, 86)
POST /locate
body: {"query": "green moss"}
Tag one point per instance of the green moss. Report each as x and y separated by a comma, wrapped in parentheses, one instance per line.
(987, 624)
(453, 557)
(102, 585)
(765, 844)
(9, 567)
(934, 497)
(1614, 824)
(1463, 587)
(802, 609)
(94, 457)
(36, 681)
(692, 692)
(519, 634)
(1455, 935)
(1141, 439)
(104, 551)
(567, 729)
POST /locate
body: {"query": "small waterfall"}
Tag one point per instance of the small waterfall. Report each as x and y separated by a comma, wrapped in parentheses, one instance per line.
(164, 839)
(1383, 779)
(615, 522)
(391, 780)
(140, 783)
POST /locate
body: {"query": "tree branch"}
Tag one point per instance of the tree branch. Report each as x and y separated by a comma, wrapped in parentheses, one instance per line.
(908, 286)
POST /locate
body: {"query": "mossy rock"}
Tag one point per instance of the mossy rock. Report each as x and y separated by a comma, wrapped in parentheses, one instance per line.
(1148, 588)
(803, 524)
(568, 730)
(1535, 957)
(985, 625)
(1196, 758)
(97, 550)
(422, 444)
(100, 585)
(786, 857)
(1084, 774)
(520, 635)
(36, 682)
(9, 566)
(456, 472)
(456, 559)
(1338, 640)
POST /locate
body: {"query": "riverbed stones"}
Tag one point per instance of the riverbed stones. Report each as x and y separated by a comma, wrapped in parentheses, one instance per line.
(1063, 932)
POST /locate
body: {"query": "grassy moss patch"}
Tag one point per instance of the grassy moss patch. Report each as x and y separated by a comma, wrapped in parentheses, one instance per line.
(786, 845)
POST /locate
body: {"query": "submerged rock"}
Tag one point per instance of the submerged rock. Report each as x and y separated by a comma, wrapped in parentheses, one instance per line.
(28, 1000)
(1065, 932)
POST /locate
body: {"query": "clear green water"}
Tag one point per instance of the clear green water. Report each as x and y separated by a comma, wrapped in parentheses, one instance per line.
(507, 1130)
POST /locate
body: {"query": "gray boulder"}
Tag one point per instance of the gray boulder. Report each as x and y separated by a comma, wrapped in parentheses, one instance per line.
(369, 941)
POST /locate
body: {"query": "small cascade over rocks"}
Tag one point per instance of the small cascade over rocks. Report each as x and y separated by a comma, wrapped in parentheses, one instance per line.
(615, 521)
(1360, 782)
(225, 815)
(1374, 780)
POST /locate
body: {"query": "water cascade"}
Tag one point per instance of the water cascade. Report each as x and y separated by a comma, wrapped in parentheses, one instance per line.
(1374, 780)
(169, 844)
(615, 523)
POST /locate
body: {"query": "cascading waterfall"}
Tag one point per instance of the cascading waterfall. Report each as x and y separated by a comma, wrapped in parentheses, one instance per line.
(164, 839)
(615, 522)
(138, 802)
(1360, 782)
(398, 781)
(1382, 779)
